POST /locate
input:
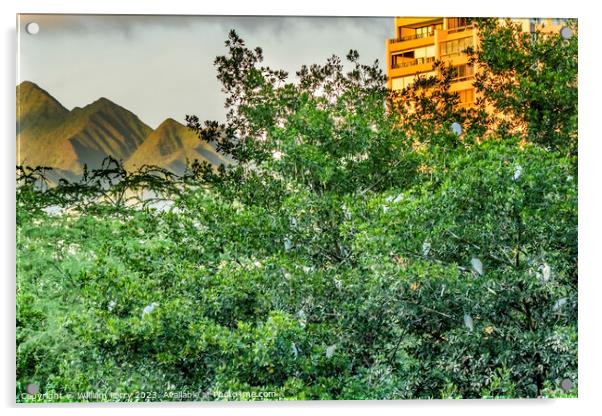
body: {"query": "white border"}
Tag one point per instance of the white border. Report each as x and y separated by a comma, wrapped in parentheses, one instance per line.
(590, 287)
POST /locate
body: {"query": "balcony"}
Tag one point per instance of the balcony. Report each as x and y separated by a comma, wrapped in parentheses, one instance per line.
(460, 29)
(412, 37)
(463, 78)
(413, 62)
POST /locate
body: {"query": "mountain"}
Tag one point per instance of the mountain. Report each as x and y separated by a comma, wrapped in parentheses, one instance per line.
(50, 135)
(37, 109)
(170, 146)
(90, 134)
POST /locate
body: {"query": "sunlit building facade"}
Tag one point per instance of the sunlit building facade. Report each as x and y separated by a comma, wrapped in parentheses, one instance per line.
(420, 41)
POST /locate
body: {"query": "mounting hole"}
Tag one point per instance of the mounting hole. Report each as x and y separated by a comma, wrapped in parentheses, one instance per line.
(566, 384)
(32, 28)
(566, 32)
(32, 388)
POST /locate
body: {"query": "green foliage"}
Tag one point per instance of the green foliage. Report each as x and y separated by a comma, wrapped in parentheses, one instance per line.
(530, 79)
(336, 259)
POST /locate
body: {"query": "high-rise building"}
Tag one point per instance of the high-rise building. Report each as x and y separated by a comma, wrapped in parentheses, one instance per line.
(420, 41)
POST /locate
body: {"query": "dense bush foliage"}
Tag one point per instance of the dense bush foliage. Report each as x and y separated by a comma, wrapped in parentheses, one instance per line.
(349, 253)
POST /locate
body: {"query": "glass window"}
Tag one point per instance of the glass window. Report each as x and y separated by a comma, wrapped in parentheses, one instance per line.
(466, 96)
(462, 72)
(424, 31)
(397, 84)
(456, 46)
(456, 22)
(413, 57)
(466, 71)
(402, 82)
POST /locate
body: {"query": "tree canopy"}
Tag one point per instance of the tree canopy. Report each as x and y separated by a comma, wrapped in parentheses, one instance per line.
(356, 248)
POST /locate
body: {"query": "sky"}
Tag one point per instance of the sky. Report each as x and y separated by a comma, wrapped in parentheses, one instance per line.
(162, 66)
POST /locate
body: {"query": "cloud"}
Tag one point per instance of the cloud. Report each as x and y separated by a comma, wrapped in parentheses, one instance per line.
(162, 66)
(66, 24)
(128, 25)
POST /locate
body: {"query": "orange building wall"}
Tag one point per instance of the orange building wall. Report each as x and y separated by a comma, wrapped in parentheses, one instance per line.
(410, 41)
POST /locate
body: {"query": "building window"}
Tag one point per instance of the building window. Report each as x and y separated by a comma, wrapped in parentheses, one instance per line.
(558, 21)
(466, 96)
(456, 22)
(462, 72)
(413, 57)
(425, 52)
(400, 83)
(423, 32)
(417, 33)
(455, 47)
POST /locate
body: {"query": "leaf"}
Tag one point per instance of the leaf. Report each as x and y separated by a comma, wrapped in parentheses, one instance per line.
(346, 212)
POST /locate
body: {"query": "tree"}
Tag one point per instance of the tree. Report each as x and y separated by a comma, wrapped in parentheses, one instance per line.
(464, 205)
(329, 131)
(528, 82)
(354, 250)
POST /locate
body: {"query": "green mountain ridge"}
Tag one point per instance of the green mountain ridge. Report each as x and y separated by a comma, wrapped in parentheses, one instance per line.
(50, 135)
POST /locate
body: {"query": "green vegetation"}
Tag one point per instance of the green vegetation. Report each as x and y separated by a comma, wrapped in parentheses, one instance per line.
(354, 250)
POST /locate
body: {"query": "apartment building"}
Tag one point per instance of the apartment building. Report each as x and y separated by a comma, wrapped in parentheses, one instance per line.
(420, 41)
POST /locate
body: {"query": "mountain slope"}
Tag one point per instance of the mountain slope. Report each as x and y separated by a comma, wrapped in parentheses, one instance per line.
(169, 146)
(37, 109)
(96, 131)
(37, 113)
(50, 135)
(68, 140)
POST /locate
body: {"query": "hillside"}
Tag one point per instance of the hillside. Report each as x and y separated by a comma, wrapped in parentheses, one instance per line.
(92, 133)
(170, 146)
(37, 109)
(50, 135)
